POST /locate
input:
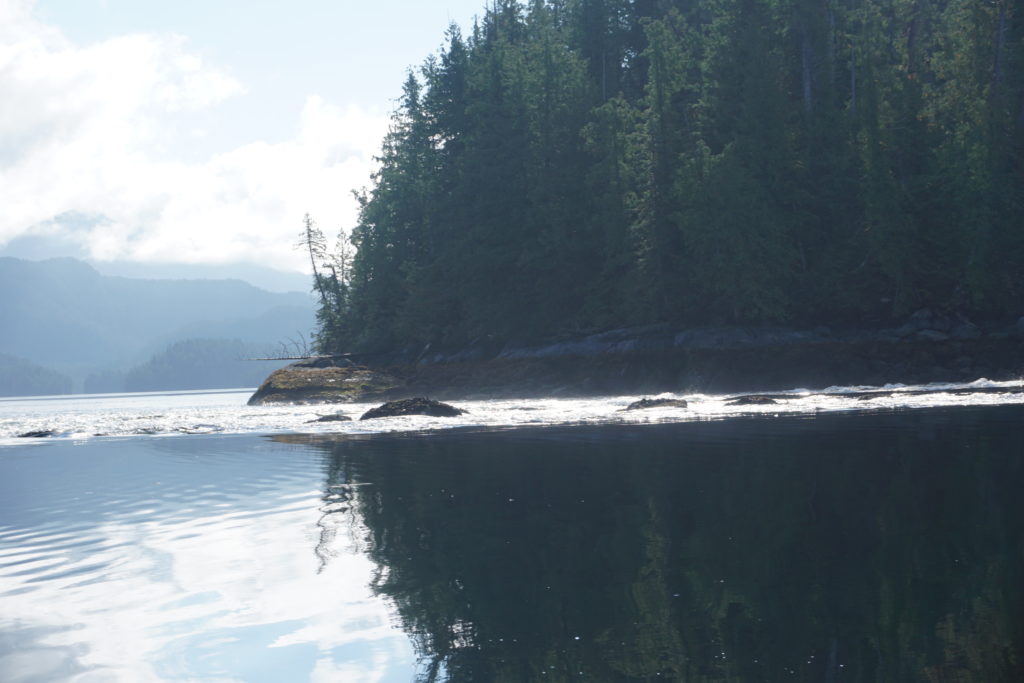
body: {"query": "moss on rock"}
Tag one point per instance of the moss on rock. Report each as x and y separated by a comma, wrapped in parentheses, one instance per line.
(298, 383)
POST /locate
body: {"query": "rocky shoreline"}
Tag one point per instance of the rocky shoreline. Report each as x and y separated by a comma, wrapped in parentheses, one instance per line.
(324, 379)
(650, 360)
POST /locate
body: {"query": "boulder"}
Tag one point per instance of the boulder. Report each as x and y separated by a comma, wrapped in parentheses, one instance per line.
(931, 335)
(337, 417)
(751, 400)
(37, 434)
(323, 381)
(965, 329)
(919, 320)
(413, 406)
(871, 395)
(657, 403)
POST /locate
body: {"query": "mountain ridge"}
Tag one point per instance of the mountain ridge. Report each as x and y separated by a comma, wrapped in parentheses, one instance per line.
(65, 315)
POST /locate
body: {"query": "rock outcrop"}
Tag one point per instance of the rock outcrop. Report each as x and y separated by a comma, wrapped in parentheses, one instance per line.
(751, 400)
(659, 359)
(324, 380)
(657, 403)
(413, 406)
(337, 417)
(37, 434)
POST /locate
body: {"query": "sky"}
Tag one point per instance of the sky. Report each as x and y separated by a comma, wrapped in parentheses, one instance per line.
(156, 134)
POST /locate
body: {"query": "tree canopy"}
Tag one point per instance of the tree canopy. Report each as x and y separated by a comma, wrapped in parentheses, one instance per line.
(584, 164)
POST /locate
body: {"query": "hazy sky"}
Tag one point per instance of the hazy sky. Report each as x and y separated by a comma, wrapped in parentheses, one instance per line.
(197, 132)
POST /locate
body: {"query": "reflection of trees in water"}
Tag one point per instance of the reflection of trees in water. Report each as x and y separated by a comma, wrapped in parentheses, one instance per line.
(338, 511)
(844, 550)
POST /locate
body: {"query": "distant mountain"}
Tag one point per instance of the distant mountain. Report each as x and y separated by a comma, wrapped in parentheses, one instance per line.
(190, 364)
(265, 333)
(264, 278)
(19, 377)
(40, 247)
(63, 314)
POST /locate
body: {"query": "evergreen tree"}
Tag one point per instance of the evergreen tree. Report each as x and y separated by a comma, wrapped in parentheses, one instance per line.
(584, 164)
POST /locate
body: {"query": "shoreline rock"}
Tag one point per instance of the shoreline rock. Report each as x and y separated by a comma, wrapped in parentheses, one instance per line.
(413, 406)
(646, 403)
(751, 400)
(324, 380)
(337, 417)
(37, 434)
(657, 359)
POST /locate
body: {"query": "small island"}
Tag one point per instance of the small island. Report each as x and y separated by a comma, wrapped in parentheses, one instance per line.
(666, 341)
(698, 196)
(657, 359)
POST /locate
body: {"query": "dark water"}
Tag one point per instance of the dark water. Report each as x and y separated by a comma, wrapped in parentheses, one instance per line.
(849, 547)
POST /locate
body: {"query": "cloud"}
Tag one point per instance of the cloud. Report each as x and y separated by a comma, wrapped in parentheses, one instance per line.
(98, 131)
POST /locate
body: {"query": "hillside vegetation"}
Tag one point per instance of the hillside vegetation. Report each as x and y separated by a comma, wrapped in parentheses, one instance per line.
(19, 377)
(64, 315)
(578, 165)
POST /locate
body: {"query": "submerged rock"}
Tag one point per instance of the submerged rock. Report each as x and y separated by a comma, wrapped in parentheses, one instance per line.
(37, 434)
(337, 417)
(413, 406)
(871, 395)
(965, 329)
(751, 400)
(199, 429)
(657, 403)
(323, 381)
(932, 336)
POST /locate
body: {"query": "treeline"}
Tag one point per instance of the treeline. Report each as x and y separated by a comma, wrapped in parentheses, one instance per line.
(583, 164)
(191, 364)
(20, 377)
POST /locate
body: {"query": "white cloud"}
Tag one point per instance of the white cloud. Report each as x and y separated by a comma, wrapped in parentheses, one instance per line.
(94, 133)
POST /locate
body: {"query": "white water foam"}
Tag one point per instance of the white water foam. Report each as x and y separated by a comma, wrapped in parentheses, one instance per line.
(183, 413)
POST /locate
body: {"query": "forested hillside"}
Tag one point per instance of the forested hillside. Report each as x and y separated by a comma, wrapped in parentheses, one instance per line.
(583, 164)
(19, 377)
(64, 315)
(201, 364)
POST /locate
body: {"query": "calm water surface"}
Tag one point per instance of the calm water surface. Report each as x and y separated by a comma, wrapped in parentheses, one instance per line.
(877, 546)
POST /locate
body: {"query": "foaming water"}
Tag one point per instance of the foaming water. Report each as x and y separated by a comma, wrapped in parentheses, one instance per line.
(226, 412)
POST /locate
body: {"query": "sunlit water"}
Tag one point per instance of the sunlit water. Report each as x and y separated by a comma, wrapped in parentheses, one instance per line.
(821, 538)
(225, 412)
(150, 559)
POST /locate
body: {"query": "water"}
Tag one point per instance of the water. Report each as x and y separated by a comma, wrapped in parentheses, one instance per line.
(225, 412)
(842, 540)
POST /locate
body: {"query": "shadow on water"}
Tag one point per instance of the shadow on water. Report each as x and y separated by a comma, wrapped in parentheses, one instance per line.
(879, 547)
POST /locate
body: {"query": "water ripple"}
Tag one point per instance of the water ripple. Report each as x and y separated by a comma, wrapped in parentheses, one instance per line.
(148, 558)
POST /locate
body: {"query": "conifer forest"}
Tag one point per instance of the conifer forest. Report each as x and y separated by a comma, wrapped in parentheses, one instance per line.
(575, 165)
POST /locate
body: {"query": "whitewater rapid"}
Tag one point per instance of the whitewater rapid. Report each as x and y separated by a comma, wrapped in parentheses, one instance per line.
(211, 412)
